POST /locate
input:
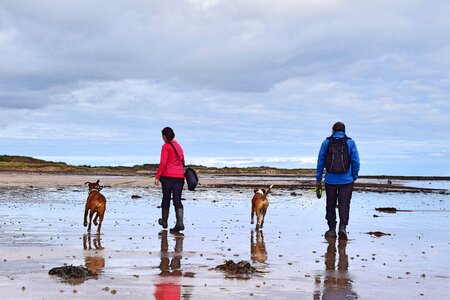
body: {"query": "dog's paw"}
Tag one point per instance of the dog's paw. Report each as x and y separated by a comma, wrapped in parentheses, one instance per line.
(95, 223)
(85, 224)
(252, 222)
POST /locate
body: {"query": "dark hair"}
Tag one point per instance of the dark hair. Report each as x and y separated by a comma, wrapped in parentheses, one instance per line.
(168, 133)
(338, 126)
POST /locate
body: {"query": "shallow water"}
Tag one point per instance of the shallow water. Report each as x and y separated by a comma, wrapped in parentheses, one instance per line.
(432, 184)
(42, 229)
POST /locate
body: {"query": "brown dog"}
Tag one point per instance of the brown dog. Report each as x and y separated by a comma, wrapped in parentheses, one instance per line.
(95, 203)
(259, 206)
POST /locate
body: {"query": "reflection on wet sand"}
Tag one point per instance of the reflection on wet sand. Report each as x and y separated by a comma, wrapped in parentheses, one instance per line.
(258, 249)
(337, 284)
(170, 267)
(94, 262)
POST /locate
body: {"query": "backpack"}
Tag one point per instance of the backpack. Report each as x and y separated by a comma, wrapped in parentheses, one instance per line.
(337, 159)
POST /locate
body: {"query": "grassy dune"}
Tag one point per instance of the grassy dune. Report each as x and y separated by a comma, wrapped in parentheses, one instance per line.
(13, 163)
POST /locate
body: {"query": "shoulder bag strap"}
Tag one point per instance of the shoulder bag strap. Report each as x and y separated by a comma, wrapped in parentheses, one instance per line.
(176, 152)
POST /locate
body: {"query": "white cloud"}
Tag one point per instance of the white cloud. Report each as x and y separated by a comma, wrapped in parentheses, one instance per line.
(234, 78)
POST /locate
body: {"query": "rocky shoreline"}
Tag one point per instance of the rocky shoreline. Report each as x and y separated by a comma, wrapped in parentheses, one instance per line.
(217, 181)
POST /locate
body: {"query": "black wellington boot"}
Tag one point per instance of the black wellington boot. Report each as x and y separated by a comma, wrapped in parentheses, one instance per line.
(343, 232)
(165, 215)
(179, 225)
(330, 233)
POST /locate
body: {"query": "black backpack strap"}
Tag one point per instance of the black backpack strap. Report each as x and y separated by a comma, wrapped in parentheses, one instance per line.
(331, 137)
(176, 152)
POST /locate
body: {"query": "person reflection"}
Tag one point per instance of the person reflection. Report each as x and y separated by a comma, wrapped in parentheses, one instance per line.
(337, 283)
(94, 261)
(258, 249)
(170, 266)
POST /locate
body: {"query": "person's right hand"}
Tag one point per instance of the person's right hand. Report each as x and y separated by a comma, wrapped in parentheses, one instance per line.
(156, 181)
(319, 184)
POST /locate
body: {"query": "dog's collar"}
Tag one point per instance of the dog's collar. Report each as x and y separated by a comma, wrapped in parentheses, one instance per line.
(95, 190)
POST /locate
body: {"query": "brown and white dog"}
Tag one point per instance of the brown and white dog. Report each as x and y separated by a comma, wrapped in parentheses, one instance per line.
(95, 203)
(259, 206)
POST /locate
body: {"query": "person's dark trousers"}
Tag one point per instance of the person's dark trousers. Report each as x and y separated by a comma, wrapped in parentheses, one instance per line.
(171, 186)
(343, 194)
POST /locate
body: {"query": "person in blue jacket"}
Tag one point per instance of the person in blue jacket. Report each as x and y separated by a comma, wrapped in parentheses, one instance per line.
(338, 186)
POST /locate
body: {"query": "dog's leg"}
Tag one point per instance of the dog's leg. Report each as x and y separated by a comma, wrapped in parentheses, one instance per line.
(86, 209)
(252, 214)
(91, 213)
(95, 219)
(263, 215)
(99, 224)
(258, 219)
(100, 215)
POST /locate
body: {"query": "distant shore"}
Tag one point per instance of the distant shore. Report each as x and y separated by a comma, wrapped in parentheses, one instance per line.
(217, 181)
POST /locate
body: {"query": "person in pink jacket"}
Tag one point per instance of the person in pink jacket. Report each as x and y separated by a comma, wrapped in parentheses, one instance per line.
(170, 175)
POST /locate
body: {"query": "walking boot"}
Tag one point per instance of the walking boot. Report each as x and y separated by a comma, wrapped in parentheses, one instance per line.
(179, 225)
(330, 233)
(165, 215)
(342, 232)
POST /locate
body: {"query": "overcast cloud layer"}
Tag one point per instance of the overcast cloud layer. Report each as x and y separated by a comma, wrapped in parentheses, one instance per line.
(241, 82)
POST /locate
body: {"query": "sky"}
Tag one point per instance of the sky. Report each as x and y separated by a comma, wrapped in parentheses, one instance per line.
(241, 82)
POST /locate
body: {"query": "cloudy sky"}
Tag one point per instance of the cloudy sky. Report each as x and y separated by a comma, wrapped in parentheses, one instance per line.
(242, 82)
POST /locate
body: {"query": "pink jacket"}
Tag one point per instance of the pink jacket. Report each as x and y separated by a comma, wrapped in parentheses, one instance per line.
(170, 165)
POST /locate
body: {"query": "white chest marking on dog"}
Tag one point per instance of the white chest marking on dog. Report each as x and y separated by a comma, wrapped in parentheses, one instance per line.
(259, 192)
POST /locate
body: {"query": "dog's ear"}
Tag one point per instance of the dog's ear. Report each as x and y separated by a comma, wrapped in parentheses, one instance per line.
(255, 190)
(87, 182)
(98, 181)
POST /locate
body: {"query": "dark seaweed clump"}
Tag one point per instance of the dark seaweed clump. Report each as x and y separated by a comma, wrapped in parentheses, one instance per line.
(73, 273)
(240, 270)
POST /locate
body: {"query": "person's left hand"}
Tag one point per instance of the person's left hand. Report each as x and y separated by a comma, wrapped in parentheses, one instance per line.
(157, 182)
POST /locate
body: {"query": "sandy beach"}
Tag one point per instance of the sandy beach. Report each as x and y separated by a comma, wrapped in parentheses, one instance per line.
(41, 228)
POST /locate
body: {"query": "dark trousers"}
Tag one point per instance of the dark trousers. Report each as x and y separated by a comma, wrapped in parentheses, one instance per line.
(343, 194)
(171, 187)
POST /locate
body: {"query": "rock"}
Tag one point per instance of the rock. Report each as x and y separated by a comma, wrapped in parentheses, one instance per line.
(377, 233)
(391, 210)
(135, 197)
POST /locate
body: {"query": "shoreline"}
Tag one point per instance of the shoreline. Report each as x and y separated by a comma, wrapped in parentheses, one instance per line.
(377, 184)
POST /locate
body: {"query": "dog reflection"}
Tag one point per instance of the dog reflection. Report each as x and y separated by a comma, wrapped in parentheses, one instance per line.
(171, 262)
(93, 262)
(337, 283)
(258, 249)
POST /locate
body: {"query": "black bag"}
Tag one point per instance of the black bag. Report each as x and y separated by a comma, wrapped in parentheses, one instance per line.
(189, 174)
(191, 178)
(337, 159)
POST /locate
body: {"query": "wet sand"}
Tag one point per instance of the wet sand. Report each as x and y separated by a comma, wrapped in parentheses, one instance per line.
(41, 228)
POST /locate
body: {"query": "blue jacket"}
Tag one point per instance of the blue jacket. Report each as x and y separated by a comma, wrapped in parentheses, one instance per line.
(332, 178)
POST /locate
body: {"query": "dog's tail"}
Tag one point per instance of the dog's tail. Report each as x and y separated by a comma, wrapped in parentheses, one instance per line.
(268, 191)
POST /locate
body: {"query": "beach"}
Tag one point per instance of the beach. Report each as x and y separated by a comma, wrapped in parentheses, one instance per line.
(42, 228)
